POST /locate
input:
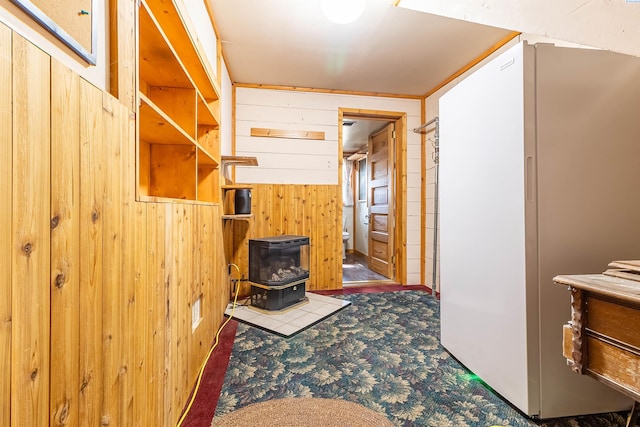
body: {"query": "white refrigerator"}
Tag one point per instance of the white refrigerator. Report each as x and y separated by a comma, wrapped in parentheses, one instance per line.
(539, 176)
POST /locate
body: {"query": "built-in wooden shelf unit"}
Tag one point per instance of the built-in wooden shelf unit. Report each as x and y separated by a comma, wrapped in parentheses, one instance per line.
(178, 111)
(229, 188)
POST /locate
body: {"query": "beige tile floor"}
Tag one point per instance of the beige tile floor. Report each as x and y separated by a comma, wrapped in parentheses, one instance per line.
(290, 322)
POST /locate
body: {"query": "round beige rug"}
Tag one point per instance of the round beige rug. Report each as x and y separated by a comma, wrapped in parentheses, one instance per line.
(303, 412)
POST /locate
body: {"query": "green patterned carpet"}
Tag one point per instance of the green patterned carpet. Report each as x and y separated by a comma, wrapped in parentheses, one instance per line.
(382, 352)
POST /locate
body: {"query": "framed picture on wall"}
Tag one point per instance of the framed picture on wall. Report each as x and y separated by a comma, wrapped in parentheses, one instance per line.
(362, 179)
(73, 23)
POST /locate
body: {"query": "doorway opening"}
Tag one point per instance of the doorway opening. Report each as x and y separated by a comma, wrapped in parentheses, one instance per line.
(371, 162)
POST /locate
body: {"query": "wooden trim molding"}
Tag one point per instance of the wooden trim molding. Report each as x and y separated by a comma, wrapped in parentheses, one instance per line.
(476, 61)
(332, 91)
(284, 133)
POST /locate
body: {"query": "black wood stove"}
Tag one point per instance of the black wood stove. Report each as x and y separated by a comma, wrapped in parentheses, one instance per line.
(278, 271)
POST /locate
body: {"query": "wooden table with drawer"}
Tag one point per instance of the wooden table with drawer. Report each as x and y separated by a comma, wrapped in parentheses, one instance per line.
(603, 337)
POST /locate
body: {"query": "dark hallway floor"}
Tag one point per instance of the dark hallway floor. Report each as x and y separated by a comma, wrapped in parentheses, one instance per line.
(354, 269)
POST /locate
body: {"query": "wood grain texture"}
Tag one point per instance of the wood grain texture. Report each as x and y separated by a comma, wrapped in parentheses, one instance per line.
(173, 171)
(140, 336)
(91, 277)
(185, 284)
(633, 265)
(615, 287)
(623, 274)
(306, 210)
(174, 25)
(92, 177)
(30, 235)
(179, 104)
(208, 189)
(112, 259)
(157, 62)
(603, 338)
(133, 277)
(618, 366)
(157, 276)
(567, 343)
(122, 52)
(332, 91)
(157, 127)
(619, 321)
(65, 244)
(286, 133)
(6, 253)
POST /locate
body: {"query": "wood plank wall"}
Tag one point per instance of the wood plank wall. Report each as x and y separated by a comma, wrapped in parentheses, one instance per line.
(5, 223)
(30, 244)
(305, 210)
(310, 162)
(95, 288)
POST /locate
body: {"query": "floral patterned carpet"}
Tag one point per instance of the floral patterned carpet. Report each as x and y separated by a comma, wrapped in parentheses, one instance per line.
(382, 352)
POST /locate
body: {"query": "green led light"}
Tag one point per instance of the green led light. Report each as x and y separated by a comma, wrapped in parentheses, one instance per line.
(471, 377)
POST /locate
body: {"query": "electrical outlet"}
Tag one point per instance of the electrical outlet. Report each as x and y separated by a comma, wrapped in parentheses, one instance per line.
(196, 313)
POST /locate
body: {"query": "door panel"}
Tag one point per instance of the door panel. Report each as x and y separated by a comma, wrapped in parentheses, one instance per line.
(381, 185)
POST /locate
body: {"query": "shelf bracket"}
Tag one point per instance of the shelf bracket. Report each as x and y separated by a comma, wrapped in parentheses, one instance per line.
(228, 161)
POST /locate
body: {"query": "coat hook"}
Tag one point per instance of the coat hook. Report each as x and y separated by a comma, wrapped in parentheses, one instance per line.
(83, 12)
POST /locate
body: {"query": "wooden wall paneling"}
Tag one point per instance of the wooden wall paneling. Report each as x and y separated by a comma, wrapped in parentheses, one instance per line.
(156, 368)
(278, 206)
(334, 234)
(185, 287)
(134, 279)
(139, 321)
(202, 263)
(92, 177)
(204, 266)
(112, 286)
(65, 245)
(310, 218)
(326, 225)
(173, 315)
(179, 313)
(30, 235)
(6, 172)
(309, 210)
(221, 272)
(289, 214)
(241, 236)
(317, 245)
(297, 210)
(215, 283)
(123, 51)
(169, 316)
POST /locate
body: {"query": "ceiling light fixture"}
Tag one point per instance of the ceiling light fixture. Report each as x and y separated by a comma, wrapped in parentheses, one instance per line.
(342, 11)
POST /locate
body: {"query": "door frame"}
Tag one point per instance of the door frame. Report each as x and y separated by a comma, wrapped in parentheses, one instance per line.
(400, 177)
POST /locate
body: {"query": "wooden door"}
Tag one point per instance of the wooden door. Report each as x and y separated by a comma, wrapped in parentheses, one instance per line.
(381, 201)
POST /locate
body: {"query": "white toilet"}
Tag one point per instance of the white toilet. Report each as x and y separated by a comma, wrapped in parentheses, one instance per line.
(345, 239)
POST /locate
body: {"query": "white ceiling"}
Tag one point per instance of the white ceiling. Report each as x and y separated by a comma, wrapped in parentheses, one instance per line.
(355, 138)
(388, 49)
